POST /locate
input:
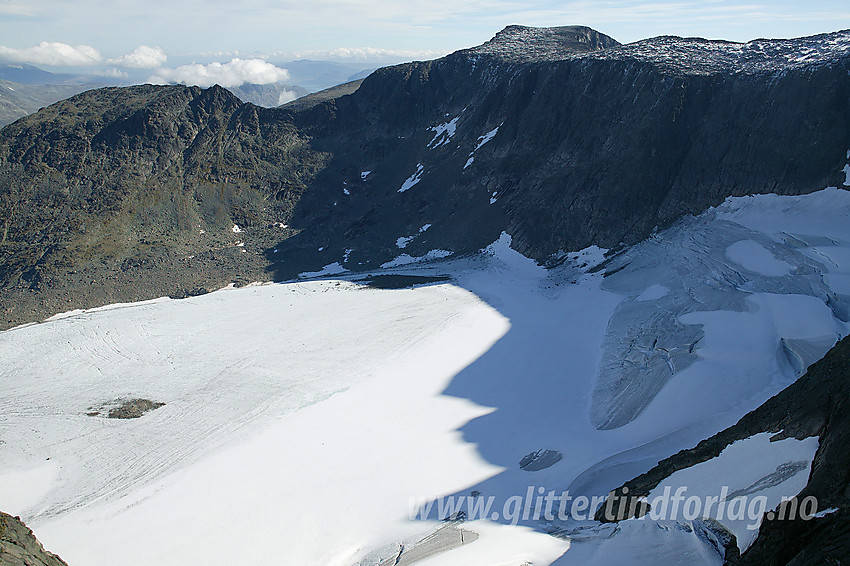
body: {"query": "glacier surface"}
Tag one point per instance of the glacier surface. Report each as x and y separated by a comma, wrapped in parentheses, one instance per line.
(305, 416)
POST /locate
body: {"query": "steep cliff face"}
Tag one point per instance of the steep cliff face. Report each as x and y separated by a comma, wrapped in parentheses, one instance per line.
(565, 147)
(561, 137)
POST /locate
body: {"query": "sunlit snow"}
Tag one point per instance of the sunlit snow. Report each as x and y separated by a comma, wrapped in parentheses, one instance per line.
(413, 179)
(300, 419)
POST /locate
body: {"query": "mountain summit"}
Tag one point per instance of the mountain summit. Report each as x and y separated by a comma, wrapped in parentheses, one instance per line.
(528, 43)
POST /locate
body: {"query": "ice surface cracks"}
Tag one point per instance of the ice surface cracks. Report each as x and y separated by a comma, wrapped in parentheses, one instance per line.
(647, 344)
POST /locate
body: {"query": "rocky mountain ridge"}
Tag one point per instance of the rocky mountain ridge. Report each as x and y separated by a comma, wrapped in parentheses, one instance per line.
(696, 56)
(560, 137)
(120, 193)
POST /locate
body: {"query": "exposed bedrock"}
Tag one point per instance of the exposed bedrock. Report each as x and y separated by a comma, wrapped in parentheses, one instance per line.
(560, 137)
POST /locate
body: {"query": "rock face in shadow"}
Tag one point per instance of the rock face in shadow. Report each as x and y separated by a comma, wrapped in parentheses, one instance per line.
(818, 404)
(540, 460)
(564, 148)
(560, 137)
(19, 547)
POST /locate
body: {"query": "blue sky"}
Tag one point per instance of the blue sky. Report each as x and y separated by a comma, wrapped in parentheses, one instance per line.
(107, 34)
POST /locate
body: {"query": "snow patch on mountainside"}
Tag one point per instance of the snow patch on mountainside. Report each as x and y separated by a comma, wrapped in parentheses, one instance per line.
(402, 241)
(330, 269)
(481, 141)
(501, 251)
(406, 259)
(413, 179)
(487, 137)
(443, 133)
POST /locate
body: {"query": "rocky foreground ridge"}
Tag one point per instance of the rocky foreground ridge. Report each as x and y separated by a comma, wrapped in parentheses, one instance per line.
(19, 547)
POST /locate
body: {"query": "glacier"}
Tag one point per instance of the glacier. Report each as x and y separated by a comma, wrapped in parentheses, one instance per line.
(301, 418)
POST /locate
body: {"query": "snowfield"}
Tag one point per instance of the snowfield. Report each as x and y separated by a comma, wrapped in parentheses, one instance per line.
(303, 420)
(788, 461)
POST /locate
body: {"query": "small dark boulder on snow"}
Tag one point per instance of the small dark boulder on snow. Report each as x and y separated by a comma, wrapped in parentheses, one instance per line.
(540, 460)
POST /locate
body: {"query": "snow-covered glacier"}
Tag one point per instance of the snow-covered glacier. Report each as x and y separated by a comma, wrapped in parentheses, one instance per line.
(750, 254)
(300, 420)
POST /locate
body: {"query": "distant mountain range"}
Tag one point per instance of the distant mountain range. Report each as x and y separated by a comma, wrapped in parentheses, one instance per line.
(319, 75)
(24, 74)
(26, 88)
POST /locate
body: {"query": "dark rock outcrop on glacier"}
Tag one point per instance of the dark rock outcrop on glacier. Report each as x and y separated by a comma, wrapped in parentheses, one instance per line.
(561, 137)
(19, 547)
(817, 404)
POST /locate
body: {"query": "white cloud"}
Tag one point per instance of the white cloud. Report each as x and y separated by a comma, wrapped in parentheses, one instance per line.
(286, 96)
(142, 57)
(13, 9)
(234, 73)
(53, 53)
(111, 72)
(370, 53)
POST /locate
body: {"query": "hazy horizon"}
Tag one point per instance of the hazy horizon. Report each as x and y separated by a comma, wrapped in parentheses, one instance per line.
(197, 39)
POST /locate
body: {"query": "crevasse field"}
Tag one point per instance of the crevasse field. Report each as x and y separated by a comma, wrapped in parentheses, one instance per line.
(303, 421)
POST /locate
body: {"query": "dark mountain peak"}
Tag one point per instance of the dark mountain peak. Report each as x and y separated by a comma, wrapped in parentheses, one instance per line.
(523, 42)
(671, 54)
(217, 96)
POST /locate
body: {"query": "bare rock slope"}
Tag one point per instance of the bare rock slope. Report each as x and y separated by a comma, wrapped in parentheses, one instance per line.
(19, 547)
